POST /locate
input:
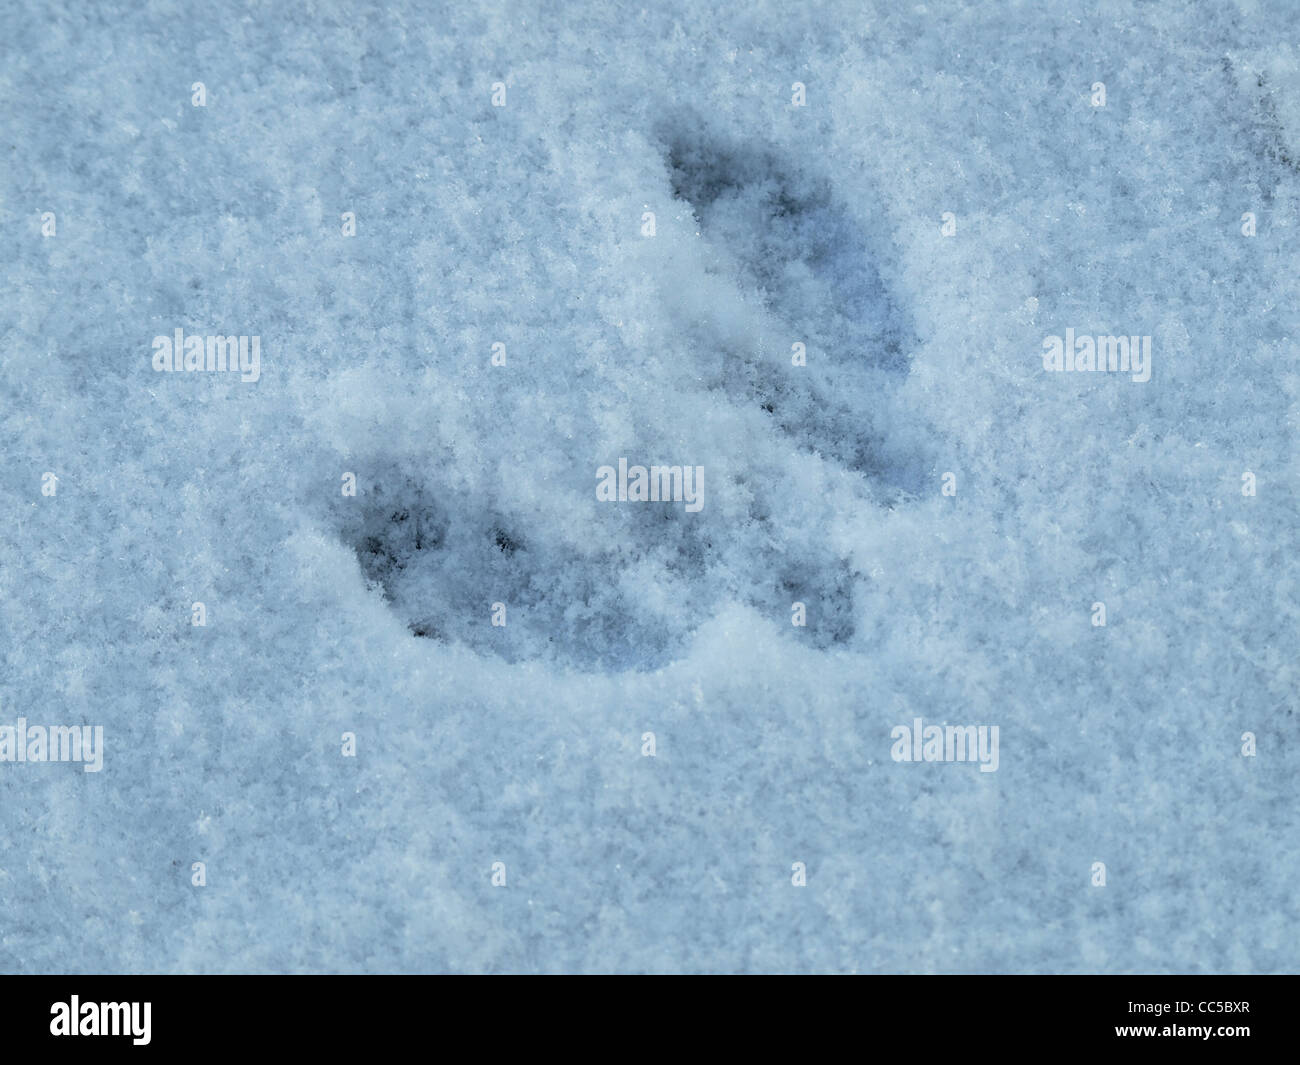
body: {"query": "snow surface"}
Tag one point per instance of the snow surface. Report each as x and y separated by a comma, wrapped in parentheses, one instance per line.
(775, 225)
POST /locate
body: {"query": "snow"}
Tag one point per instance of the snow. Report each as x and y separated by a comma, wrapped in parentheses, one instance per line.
(774, 225)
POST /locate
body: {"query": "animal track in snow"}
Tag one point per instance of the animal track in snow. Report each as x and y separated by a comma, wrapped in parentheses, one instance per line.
(442, 564)
(814, 267)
